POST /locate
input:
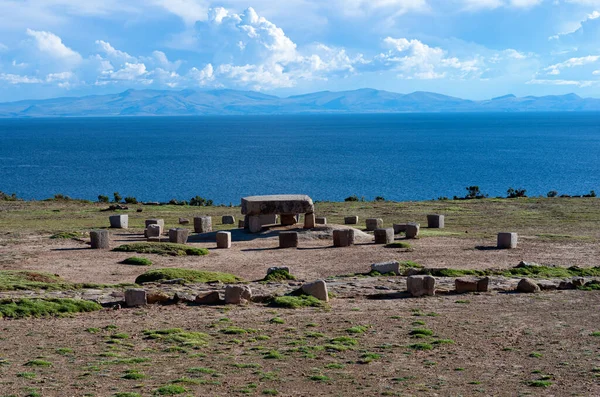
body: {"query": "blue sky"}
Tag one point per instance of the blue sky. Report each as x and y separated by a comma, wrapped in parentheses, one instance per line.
(474, 49)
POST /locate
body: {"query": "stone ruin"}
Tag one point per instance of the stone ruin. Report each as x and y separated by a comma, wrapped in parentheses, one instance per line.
(287, 206)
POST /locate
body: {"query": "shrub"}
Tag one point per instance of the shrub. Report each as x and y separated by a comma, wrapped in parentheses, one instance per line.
(473, 192)
(279, 275)
(552, 193)
(512, 193)
(191, 276)
(352, 198)
(201, 202)
(131, 200)
(102, 199)
(8, 197)
(117, 197)
(379, 199)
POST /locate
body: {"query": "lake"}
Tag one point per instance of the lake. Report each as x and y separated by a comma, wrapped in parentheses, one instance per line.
(329, 157)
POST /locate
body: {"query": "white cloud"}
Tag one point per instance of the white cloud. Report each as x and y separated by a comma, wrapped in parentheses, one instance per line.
(476, 5)
(18, 79)
(162, 60)
(52, 45)
(130, 72)
(577, 83)
(202, 77)
(190, 11)
(571, 63)
(578, 25)
(113, 53)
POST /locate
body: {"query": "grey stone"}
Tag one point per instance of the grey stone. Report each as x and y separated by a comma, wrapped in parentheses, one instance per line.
(184, 221)
(268, 219)
(321, 220)
(228, 220)
(400, 228)
(275, 269)
(237, 294)
(507, 240)
(384, 236)
(386, 267)
(241, 224)
(154, 230)
(224, 240)
(374, 223)
(203, 224)
(412, 230)
(99, 239)
(208, 298)
(119, 221)
(343, 237)
(309, 220)
(277, 204)
(528, 286)
(435, 221)
(351, 220)
(318, 289)
(289, 219)
(288, 240)
(564, 285)
(178, 236)
(421, 285)
(135, 297)
(157, 297)
(254, 224)
(160, 222)
(158, 239)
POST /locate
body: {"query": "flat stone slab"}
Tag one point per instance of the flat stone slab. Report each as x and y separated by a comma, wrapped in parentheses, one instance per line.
(277, 204)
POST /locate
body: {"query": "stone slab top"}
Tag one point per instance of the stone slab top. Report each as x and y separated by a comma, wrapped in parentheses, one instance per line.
(277, 204)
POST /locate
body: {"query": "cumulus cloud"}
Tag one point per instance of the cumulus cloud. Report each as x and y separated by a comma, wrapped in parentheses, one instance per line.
(190, 11)
(18, 79)
(52, 46)
(113, 53)
(571, 63)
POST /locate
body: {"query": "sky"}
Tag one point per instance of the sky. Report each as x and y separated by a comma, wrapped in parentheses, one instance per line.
(474, 49)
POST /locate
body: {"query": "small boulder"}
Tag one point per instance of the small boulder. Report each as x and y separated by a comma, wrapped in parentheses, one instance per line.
(421, 285)
(208, 298)
(318, 289)
(157, 297)
(464, 285)
(412, 230)
(384, 236)
(228, 220)
(564, 285)
(276, 269)
(527, 286)
(237, 294)
(351, 220)
(578, 282)
(386, 267)
(374, 223)
(184, 221)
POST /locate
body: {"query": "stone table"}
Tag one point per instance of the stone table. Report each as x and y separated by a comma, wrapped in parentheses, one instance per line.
(286, 205)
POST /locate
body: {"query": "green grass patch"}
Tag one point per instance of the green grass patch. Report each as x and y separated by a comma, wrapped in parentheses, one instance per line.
(64, 351)
(190, 276)
(273, 355)
(162, 249)
(16, 280)
(539, 383)
(319, 378)
(26, 375)
(279, 275)
(421, 331)
(133, 374)
(38, 363)
(127, 394)
(236, 331)
(170, 390)
(366, 358)
(201, 370)
(595, 333)
(358, 329)
(296, 302)
(65, 236)
(443, 342)
(21, 308)
(344, 341)
(536, 355)
(399, 244)
(277, 320)
(270, 392)
(179, 336)
(137, 261)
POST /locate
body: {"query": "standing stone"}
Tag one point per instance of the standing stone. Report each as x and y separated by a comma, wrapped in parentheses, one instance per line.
(203, 224)
(288, 240)
(99, 239)
(384, 236)
(386, 267)
(374, 223)
(321, 220)
(528, 286)
(288, 219)
(507, 240)
(351, 220)
(318, 289)
(119, 221)
(309, 220)
(178, 236)
(412, 230)
(241, 224)
(160, 222)
(135, 297)
(228, 220)
(154, 230)
(184, 221)
(435, 221)
(254, 224)
(343, 238)
(421, 285)
(224, 240)
(400, 228)
(270, 219)
(237, 294)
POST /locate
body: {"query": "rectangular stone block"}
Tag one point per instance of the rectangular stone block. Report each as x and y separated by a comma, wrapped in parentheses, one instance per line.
(289, 219)
(269, 219)
(435, 221)
(343, 238)
(154, 230)
(224, 240)
(288, 240)
(421, 285)
(374, 223)
(321, 220)
(309, 220)
(400, 228)
(160, 222)
(228, 220)
(135, 297)
(203, 224)
(412, 230)
(507, 240)
(277, 204)
(178, 236)
(351, 220)
(384, 236)
(99, 239)
(119, 221)
(386, 267)
(254, 224)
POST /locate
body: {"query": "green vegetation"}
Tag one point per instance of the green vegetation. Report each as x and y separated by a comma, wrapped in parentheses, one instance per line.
(536, 355)
(133, 374)
(38, 363)
(399, 244)
(170, 390)
(279, 275)
(190, 276)
(539, 383)
(15, 280)
(27, 375)
(420, 346)
(295, 302)
(358, 329)
(273, 355)
(519, 271)
(162, 249)
(127, 394)
(277, 320)
(137, 261)
(178, 336)
(20, 308)
(65, 235)
(366, 358)
(443, 342)
(421, 331)
(319, 378)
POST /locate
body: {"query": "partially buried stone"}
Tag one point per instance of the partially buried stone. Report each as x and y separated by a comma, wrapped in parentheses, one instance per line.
(386, 267)
(157, 297)
(463, 285)
(237, 294)
(184, 221)
(135, 297)
(208, 298)
(528, 286)
(318, 289)
(276, 269)
(99, 239)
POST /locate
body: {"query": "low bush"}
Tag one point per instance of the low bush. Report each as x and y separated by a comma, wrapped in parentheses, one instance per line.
(190, 276)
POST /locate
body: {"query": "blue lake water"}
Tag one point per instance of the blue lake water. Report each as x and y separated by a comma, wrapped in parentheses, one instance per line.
(399, 157)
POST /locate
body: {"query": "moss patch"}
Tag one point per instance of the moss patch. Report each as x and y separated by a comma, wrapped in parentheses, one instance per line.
(295, 302)
(137, 261)
(65, 235)
(14, 280)
(190, 276)
(162, 249)
(279, 275)
(20, 308)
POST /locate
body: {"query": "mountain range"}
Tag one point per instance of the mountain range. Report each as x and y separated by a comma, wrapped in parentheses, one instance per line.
(231, 102)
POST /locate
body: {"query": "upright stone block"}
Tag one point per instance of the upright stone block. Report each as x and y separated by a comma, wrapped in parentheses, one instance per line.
(343, 238)
(309, 220)
(228, 220)
(154, 230)
(420, 285)
(435, 221)
(203, 224)
(178, 236)
(241, 224)
(318, 289)
(288, 240)
(321, 220)
(135, 297)
(237, 294)
(507, 240)
(224, 240)
(254, 224)
(400, 228)
(374, 223)
(351, 220)
(99, 239)
(412, 230)
(384, 236)
(160, 222)
(270, 219)
(119, 221)
(288, 219)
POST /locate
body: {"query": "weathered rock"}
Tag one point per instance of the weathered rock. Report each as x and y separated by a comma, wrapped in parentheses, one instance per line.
(420, 285)
(276, 269)
(400, 228)
(565, 285)
(578, 282)
(412, 230)
(184, 221)
(208, 298)
(343, 237)
(318, 289)
(277, 204)
(178, 236)
(268, 219)
(384, 236)
(288, 239)
(386, 267)
(321, 220)
(160, 222)
(507, 240)
(288, 219)
(546, 285)
(100, 239)
(228, 220)
(224, 240)
(435, 221)
(351, 220)
(374, 223)
(241, 224)
(135, 297)
(309, 220)
(119, 221)
(483, 285)
(463, 285)
(154, 230)
(203, 224)
(528, 286)
(157, 297)
(254, 224)
(184, 297)
(237, 294)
